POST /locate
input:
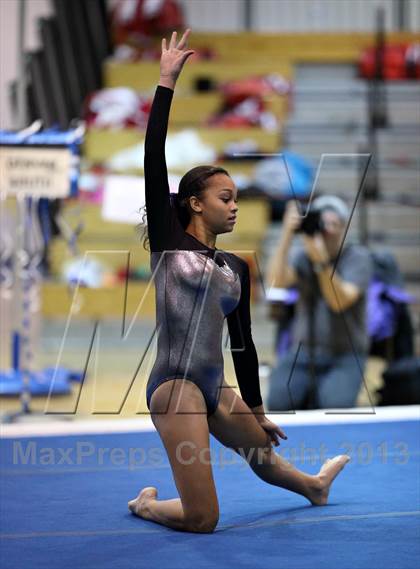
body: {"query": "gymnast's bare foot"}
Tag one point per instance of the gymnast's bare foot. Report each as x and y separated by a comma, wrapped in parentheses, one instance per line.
(325, 477)
(138, 506)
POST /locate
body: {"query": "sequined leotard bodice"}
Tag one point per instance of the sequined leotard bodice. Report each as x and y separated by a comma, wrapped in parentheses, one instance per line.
(197, 287)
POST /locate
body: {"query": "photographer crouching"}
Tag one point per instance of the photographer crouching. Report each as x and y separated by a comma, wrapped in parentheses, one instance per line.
(324, 366)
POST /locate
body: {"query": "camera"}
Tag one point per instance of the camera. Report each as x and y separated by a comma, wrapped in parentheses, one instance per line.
(311, 223)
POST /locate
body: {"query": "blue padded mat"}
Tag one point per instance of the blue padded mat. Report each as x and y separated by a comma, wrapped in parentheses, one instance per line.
(64, 504)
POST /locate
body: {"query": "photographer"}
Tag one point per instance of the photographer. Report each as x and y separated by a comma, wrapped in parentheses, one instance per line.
(324, 366)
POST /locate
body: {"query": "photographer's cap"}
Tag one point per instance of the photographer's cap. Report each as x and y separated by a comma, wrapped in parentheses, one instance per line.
(333, 203)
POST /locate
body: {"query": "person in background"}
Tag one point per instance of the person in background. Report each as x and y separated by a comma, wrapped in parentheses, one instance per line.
(324, 366)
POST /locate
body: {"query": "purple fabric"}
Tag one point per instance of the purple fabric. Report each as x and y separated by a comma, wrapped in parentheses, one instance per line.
(382, 308)
(292, 296)
(398, 295)
(382, 311)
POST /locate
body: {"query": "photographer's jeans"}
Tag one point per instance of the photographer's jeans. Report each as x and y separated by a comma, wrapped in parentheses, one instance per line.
(338, 380)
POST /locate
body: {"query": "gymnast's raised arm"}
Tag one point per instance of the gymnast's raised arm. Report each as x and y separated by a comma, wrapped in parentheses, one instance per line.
(155, 171)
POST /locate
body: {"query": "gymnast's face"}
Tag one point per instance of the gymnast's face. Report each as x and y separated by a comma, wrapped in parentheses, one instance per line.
(218, 205)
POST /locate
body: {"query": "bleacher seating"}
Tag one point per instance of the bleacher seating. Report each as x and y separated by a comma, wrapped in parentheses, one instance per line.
(326, 115)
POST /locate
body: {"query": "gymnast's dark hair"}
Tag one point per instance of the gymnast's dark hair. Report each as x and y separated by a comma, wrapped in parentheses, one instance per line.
(193, 183)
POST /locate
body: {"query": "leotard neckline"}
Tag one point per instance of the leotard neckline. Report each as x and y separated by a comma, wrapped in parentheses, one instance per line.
(198, 241)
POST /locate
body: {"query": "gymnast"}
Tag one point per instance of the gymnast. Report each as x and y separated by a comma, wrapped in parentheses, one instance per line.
(197, 287)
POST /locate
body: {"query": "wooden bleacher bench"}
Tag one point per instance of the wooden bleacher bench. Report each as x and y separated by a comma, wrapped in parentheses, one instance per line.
(144, 75)
(101, 144)
(295, 47)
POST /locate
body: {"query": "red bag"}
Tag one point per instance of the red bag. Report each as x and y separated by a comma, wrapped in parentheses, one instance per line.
(131, 20)
(399, 61)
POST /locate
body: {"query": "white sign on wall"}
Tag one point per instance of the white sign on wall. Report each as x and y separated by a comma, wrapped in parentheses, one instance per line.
(31, 171)
(125, 195)
(122, 199)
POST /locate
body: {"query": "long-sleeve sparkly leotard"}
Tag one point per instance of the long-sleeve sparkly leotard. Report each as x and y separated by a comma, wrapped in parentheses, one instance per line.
(196, 288)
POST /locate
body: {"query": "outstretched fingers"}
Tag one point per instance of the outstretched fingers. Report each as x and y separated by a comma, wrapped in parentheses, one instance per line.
(174, 55)
(172, 42)
(183, 41)
(186, 55)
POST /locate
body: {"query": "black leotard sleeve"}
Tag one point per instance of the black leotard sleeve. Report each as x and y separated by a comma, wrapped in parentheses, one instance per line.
(244, 354)
(166, 233)
(159, 214)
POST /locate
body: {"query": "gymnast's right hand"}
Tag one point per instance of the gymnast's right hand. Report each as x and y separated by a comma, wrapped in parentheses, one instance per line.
(173, 59)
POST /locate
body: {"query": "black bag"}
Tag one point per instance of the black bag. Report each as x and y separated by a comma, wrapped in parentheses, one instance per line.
(402, 383)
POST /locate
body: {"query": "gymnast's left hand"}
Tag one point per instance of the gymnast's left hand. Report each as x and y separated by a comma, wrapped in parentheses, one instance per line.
(273, 430)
